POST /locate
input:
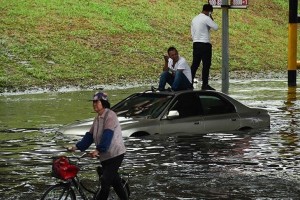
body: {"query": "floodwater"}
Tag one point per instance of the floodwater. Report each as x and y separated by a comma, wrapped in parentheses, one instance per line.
(248, 165)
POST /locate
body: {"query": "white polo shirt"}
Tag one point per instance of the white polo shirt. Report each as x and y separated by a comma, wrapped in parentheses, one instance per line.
(183, 65)
(200, 27)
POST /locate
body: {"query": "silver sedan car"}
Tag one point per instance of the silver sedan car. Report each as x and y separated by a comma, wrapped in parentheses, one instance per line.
(181, 112)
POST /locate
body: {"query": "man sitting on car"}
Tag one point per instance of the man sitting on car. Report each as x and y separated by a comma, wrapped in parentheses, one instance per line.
(176, 72)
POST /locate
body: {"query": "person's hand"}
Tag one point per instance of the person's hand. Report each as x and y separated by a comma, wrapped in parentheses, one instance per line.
(166, 58)
(71, 148)
(94, 154)
(210, 15)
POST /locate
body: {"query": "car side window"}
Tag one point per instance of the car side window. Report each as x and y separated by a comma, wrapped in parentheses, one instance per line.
(187, 105)
(213, 105)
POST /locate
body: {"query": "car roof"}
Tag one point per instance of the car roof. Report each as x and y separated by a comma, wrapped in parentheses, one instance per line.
(182, 92)
(200, 92)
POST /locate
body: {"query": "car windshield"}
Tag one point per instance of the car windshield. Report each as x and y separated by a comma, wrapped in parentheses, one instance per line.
(148, 105)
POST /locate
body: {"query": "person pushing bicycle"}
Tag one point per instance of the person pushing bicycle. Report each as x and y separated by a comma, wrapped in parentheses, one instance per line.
(106, 133)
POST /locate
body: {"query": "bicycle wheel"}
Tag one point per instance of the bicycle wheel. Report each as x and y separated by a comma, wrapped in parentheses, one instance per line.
(60, 191)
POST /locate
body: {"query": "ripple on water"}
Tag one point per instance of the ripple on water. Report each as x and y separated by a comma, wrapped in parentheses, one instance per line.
(244, 165)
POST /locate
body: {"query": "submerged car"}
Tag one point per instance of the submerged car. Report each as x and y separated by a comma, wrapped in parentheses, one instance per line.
(180, 112)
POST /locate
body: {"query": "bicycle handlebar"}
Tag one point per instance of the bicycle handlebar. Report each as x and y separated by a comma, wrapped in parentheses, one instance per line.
(84, 155)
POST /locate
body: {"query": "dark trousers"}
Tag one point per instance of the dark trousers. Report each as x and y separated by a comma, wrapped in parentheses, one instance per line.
(111, 177)
(177, 82)
(201, 52)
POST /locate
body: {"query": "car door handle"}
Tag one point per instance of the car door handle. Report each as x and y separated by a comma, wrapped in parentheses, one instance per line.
(233, 119)
(197, 123)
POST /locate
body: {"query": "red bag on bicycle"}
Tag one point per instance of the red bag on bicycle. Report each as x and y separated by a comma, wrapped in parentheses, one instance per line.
(62, 169)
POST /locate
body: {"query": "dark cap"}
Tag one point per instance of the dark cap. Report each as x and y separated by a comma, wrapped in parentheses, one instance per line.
(100, 96)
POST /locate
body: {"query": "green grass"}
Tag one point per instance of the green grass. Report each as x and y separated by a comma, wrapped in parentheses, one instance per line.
(75, 42)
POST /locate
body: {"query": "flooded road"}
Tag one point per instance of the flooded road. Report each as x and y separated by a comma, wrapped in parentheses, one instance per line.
(248, 165)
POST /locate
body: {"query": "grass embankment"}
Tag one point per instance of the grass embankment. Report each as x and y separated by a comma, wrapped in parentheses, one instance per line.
(74, 42)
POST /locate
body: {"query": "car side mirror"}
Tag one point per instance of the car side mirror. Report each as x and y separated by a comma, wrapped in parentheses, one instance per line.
(172, 114)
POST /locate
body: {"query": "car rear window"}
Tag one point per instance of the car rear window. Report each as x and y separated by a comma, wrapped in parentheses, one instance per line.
(212, 105)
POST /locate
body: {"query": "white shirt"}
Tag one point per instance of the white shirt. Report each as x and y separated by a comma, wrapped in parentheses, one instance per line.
(200, 27)
(181, 65)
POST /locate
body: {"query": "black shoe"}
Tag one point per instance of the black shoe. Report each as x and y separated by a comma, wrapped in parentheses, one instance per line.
(153, 89)
(207, 87)
(169, 89)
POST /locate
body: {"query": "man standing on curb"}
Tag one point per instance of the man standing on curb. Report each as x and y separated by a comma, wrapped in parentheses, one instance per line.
(202, 48)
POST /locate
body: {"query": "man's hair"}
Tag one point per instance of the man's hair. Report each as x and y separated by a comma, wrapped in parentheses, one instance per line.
(172, 49)
(207, 7)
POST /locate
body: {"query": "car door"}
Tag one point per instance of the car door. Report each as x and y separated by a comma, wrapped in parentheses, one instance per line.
(218, 114)
(189, 117)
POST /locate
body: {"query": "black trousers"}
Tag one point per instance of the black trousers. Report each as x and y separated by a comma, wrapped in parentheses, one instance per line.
(201, 52)
(111, 177)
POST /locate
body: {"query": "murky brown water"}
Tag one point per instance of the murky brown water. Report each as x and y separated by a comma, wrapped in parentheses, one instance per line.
(249, 165)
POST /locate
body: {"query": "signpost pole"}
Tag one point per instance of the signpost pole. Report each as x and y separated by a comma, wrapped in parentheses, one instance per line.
(225, 5)
(292, 43)
(225, 47)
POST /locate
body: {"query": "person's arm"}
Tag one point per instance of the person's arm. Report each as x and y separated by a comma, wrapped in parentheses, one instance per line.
(85, 142)
(105, 141)
(210, 15)
(182, 64)
(166, 59)
(211, 23)
(192, 32)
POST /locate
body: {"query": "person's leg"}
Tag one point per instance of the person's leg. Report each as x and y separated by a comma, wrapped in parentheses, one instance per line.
(119, 189)
(186, 83)
(105, 184)
(109, 177)
(196, 59)
(165, 78)
(207, 54)
(117, 182)
(181, 82)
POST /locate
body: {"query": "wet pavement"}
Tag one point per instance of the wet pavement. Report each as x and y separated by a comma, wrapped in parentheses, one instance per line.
(244, 165)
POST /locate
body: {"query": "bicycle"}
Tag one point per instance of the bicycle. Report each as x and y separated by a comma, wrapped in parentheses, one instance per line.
(70, 183)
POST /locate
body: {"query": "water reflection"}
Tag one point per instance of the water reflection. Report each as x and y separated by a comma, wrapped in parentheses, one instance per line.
(244, 165)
